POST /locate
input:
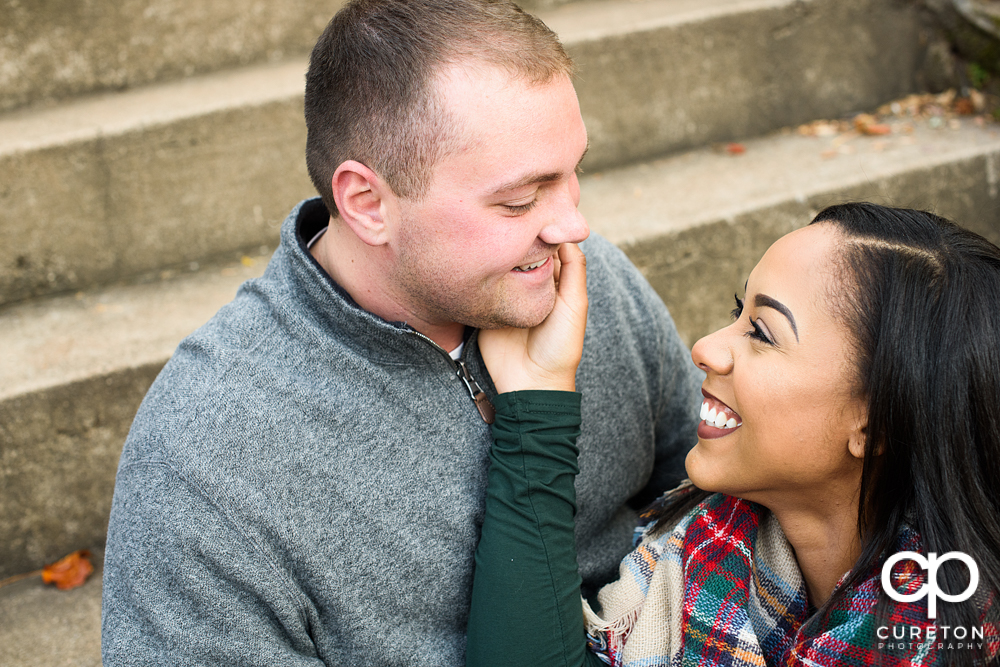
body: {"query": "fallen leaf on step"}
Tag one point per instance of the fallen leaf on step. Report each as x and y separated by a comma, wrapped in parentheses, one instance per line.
(868, 124)
(964, 107)
(69, 572)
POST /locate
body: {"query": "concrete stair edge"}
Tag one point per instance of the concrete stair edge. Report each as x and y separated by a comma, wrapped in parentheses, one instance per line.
(55, 429)
(163, 176)
(58, 50)
(41, 626)
(62, 49)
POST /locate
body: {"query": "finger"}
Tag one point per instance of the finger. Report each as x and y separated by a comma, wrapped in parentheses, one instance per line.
(573, 274)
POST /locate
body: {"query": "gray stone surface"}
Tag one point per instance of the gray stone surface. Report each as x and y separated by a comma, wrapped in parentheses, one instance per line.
(57, 49)
(54, 49)
(972, 28)
(695, 224)
(658, 76)
(105, 189)
(75, 370)
(41, 626)
(59, 451)
(159, 177)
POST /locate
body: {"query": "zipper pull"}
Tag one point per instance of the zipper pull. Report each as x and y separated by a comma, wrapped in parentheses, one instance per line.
(479, 397)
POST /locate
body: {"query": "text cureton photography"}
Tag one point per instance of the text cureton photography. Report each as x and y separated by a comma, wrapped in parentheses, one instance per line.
(941, 637)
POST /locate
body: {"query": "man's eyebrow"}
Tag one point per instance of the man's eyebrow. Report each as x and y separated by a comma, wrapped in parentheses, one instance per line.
(764, 301)
(535, 177)
(528, 179)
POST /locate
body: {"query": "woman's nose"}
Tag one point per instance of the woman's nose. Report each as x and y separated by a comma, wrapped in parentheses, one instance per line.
(714, 353)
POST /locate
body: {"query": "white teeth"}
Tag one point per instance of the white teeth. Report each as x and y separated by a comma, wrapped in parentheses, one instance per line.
(716, 418)
(529, 267)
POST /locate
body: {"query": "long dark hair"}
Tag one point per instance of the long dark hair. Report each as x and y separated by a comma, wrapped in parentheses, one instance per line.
(921, 298)
(925, 318)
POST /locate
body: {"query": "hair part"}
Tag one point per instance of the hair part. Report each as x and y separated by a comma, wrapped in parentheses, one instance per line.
(371, 86)
(918, 296)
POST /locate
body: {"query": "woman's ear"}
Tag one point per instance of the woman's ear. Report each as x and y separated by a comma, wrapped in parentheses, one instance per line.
(858, 439)
(360, 195)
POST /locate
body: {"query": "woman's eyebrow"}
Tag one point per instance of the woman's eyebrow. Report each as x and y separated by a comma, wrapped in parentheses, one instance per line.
(764, 301)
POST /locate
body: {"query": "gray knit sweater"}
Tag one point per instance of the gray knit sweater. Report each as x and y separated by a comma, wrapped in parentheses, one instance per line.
(304, 482)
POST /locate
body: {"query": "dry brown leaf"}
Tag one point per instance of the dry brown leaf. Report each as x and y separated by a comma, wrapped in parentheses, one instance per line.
(868, 124)
(878, 129)
(963, 107)
(69, 572)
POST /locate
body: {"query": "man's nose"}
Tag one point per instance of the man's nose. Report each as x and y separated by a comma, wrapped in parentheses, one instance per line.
(567, 224)
(570, 228)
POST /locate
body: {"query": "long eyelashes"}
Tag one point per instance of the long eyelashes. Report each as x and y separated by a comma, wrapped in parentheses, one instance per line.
(756, 333)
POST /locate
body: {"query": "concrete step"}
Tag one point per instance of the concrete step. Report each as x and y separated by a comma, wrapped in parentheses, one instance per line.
(66, 48)
(101, 189)
(75, 368)
(41, 626)
(118, 185)
(658, 76)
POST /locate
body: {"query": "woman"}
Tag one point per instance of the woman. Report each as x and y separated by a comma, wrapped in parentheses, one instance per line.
(852, 412)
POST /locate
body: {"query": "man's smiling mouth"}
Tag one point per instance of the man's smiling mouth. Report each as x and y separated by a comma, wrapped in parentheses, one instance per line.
(530, 267)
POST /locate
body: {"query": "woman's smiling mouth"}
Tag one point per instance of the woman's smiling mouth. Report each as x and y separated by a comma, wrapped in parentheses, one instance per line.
(717, 418)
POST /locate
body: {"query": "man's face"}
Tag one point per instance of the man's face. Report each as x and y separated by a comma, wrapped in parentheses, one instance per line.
(478, 247)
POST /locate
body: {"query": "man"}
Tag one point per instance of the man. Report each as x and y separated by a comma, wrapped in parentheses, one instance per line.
(304, 482)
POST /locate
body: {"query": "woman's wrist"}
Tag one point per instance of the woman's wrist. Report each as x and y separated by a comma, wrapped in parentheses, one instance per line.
(534, 381)
(567, 387)
(539, 407)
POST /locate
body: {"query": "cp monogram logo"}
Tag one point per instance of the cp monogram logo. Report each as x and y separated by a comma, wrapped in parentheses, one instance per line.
(931, 588)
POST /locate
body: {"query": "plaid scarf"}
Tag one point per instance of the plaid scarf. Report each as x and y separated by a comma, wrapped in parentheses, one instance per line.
(723, 588)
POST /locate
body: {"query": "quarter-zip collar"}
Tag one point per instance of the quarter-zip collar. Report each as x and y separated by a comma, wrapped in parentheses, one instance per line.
(461, 368)
(331, 312)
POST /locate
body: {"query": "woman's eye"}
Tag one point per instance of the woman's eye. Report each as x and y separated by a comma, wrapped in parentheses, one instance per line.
(520, 209)
(758, 334)
(738, 310)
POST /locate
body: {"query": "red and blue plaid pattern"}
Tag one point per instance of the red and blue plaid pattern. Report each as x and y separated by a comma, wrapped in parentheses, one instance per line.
(731, 606)
(740, 611)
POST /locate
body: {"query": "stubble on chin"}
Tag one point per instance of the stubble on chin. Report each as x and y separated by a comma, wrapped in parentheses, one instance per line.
(519, 316)
(435, 295)
(492, 309)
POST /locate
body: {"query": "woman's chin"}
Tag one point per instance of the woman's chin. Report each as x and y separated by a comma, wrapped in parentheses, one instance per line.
(695, 467)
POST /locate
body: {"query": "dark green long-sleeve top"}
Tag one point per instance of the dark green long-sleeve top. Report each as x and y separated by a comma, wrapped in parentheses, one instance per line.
(526, 607)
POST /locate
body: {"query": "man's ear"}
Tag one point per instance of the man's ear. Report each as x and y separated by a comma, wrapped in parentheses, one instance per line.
(360, 195)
